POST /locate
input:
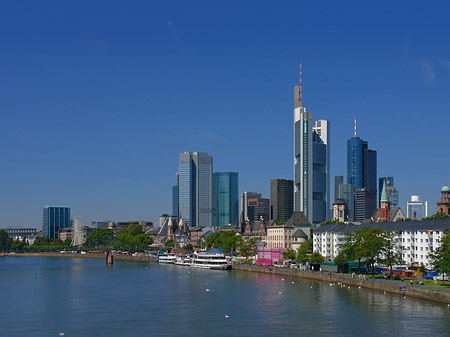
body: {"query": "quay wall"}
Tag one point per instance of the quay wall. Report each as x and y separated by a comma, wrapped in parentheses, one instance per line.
(400, 289)
(91, 256)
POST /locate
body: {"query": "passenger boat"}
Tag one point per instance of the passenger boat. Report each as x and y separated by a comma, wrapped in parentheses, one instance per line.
(211, 261)
(167, 258)
(183, 261)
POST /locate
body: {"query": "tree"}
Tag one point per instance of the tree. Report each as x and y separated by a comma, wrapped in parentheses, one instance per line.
(289, 254)
(391, 251)
(5, 241)
(441, 256)
(371, 247)
(437, 216)
(304, 250)
(316, 258)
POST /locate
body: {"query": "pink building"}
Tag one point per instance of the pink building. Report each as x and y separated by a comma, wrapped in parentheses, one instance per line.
(269, 256)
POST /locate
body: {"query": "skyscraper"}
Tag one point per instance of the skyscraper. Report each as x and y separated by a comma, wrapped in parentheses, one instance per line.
(245, 196)
(338, 180)
(311, 162)
(225, 198)
(195, 188)
(281, 199)
(321, 170)
(54, 219)
(362, 174)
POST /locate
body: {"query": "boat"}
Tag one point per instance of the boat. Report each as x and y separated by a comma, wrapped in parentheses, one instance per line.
(208, 260)
(183, 261)
(167, 258)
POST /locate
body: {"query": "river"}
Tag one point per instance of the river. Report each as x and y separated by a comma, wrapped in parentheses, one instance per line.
(84, 297)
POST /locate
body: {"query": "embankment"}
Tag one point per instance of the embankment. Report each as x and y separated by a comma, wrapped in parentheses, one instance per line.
(91, 256)
(403, 290)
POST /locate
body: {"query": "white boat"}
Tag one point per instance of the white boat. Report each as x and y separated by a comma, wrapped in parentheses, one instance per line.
(183, 261)
(211, 261)
(167, 258)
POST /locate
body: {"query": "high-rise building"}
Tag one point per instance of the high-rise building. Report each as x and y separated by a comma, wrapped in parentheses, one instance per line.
(321, 170)
(195, 188)
(281, 199)
(258, 208)
(362, 174)
(416, 209)
(346, 193)
(225, 198)
(311, 162)
(245, 196)
(55, 218)
(338, 180)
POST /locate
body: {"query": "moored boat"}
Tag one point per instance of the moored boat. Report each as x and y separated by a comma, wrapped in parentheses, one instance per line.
(167, 258)
(211, 261)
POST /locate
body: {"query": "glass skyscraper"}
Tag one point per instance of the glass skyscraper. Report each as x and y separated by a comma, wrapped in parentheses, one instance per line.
(55, 218)
(311, 163)
(362, 174)
(225, 198)
(195, 188)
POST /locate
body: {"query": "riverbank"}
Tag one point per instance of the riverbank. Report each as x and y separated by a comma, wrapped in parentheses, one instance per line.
(403, 290)
(90, 256)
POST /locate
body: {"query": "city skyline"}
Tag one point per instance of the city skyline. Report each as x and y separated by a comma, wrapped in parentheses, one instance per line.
(87, 108)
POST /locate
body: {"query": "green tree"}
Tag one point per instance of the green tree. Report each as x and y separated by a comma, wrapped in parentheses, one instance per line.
(226, 240)
(316, 258)
(441, 256)
(289, 255)
(391, 251)
(100, 234)
(5, 241)
(437, 216)
(304, 250)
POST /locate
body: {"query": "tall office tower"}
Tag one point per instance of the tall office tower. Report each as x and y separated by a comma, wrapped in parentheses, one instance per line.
(311, 162)
(245, 196)
(338, 180)
(321, 170)
(175, 195)
(346, 193)
(55, 218)
(416, 209)
(281, 199)
(362, 174)
(195, 188)
(225, 198)
(258, 208)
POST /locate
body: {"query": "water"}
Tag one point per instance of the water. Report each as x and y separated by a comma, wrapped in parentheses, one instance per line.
(83, 297)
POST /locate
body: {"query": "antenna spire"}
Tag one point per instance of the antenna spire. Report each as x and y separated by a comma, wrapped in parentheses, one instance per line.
(355, 126)
(300, 86)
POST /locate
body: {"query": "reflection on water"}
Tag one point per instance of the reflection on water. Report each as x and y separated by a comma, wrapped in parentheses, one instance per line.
(85, 297)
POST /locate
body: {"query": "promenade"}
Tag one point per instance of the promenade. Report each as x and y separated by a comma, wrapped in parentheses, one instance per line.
(403, 289)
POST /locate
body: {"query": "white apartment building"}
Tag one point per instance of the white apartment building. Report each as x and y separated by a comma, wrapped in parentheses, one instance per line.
(419, 238)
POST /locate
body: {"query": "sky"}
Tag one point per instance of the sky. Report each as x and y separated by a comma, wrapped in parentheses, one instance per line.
(97, 99)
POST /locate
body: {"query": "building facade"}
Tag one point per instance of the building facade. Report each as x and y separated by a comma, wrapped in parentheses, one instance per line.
(362, 174)
(225, 198)
(418, 239)
(54, 219)
(281, 199)
(195, 188)
(416, 209)
(245, 196)
(311, 162)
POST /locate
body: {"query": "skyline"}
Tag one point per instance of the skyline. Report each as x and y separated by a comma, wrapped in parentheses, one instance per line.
(98, 102)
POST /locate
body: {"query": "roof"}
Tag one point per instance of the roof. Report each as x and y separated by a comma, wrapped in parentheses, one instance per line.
(298, 219)
(439, 224)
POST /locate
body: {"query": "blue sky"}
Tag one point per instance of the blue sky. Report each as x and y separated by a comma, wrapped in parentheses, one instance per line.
(98, 98)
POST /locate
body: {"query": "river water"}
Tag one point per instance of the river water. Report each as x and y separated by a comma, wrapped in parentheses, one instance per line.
(84, 297)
